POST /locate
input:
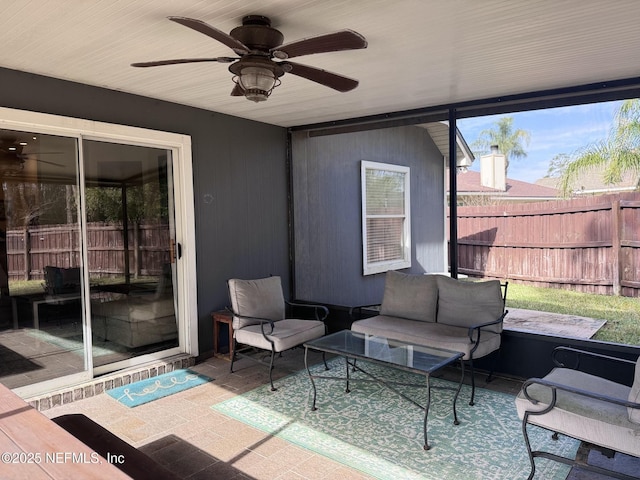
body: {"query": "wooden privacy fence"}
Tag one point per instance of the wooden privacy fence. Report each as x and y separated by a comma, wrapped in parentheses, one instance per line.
(31, 249)
(589, 244)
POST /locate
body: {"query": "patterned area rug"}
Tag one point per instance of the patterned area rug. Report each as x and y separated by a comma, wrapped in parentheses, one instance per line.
(150, 389)
(379, 433)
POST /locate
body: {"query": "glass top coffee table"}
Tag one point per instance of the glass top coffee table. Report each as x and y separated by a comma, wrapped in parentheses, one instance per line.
(390, 353)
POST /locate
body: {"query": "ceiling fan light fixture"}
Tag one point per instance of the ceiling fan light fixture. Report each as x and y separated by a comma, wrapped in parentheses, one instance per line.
(257, 83)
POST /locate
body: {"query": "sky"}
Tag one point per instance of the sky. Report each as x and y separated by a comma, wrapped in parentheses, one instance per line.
(552, 132)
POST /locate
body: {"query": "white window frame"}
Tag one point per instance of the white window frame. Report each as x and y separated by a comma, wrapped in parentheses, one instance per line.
(370, 268)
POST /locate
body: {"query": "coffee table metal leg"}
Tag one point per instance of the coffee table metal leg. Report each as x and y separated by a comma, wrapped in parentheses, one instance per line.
(347, 390)
(455, 398)
(313, 384)
(426, 412)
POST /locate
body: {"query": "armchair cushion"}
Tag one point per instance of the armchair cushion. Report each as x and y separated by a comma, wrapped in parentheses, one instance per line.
(262, 298)
(465, 304)
(634, 395)
(578, 416)
(410, 296)
(286, 334)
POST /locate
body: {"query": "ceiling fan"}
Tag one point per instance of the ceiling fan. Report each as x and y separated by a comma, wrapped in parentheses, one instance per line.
(258, 46)
(13, 156)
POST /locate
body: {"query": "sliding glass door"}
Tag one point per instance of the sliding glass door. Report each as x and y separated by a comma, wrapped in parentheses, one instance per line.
(130, 239)
(88, 277)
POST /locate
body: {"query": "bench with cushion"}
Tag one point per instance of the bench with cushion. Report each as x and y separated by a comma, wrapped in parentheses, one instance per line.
(441, 312)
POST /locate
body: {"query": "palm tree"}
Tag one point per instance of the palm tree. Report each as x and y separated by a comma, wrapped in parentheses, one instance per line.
(618, 154)
(509, 142)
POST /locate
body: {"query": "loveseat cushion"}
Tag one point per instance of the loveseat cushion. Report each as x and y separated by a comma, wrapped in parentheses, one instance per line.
(135, 309)
(410, 296)
(634, 395)
(431, 334)
(261, 298)
(464, 304)
(148, 310)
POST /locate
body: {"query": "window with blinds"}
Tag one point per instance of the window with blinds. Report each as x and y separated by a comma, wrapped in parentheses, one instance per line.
(386, 229)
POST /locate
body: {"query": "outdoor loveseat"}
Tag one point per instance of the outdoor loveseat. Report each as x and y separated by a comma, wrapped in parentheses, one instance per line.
(139, 318)
(442, 312)
(595, 410)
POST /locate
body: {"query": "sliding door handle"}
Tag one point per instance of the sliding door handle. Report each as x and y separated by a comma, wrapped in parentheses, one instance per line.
(175, 251)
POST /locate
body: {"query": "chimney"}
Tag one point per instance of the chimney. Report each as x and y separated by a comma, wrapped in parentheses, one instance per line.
(492, 174)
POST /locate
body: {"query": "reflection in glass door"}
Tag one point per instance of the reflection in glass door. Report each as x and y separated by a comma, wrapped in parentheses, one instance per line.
(41, 270)
(131, 259)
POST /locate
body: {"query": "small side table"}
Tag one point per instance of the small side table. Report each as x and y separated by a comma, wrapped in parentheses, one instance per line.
(222, 316)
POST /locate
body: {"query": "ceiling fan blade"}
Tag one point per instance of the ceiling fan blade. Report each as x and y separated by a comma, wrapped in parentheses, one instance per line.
(330, 42)
(237, 91)
(47, 162)
(183, 60)
(328, 79)
(199, 26)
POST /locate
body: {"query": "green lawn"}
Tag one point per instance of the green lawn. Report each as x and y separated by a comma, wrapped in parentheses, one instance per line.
(32, 287)
(622, 313)
(26, 287)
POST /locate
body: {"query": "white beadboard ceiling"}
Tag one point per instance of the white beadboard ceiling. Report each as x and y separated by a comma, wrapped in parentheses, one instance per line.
(421, 53)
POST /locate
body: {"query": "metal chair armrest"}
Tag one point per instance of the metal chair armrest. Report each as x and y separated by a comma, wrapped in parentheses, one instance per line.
(262, 321)
(554, 386)
(480, 326)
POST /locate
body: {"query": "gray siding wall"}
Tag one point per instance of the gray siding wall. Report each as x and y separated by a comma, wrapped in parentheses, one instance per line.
(327, 210)
(240, 178)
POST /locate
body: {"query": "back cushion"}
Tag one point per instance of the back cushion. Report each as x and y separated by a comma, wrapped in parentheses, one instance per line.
(71, 277)
(60, 280)
(261, 298)
(410, 296)
(634, 395)
(465, 304)
(53, 279)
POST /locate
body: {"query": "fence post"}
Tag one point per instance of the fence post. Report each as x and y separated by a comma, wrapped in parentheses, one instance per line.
(616, 254)
(26, 247)
(136, 249)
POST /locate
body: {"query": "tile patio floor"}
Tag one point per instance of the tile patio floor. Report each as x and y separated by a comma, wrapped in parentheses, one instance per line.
(183, 433)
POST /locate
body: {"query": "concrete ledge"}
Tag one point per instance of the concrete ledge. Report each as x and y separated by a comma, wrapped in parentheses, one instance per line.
(545, 323)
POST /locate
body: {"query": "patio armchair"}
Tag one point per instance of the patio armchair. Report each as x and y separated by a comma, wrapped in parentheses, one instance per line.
(259, 322)
(61, 281)
(586, 407)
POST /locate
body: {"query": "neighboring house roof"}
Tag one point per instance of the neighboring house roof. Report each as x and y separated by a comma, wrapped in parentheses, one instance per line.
(591, 181)
(469, 183)
(439, 133)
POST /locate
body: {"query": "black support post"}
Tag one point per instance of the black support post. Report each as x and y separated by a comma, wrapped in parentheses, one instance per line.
(453, 189)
